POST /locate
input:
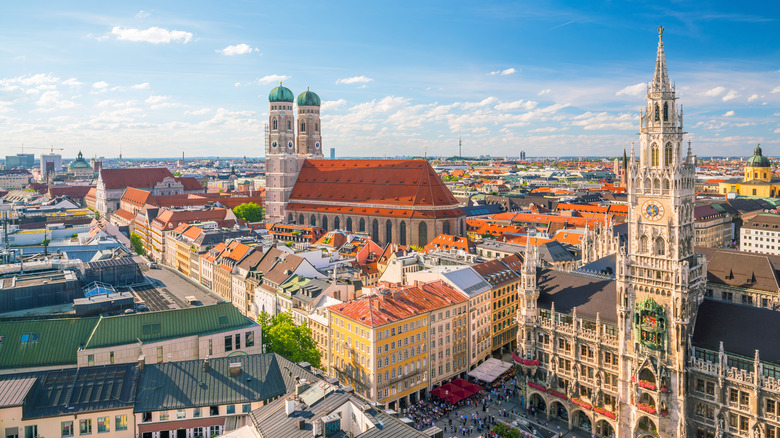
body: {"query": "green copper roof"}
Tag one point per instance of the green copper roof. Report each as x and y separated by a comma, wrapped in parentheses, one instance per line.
(308, 98)
(80, 163)
(281, 94)
(758, 160)
(42, 342)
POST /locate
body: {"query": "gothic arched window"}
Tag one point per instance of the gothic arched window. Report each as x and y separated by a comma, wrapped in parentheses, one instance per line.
(375, 231)
(388, 231)
(336, 223)
(274, 125)
(289, 218)
(668, 154)
(657, 113)
(362, 225)
(654, 155)
(446, 227)
(313, 221)
(402, 237)
(316, 127)
(666, 111)
(422, 234)
(300, 219)
(643, 244)
(303, 127)
(660, 246)
(349, 224)
(289, 125)
(325, 223)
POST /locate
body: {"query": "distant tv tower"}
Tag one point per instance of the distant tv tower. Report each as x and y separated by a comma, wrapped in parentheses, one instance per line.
(460, 147)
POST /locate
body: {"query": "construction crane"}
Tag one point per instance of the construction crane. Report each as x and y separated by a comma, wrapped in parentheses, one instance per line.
(51, 148)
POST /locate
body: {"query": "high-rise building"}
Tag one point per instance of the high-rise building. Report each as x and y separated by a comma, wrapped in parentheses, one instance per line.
(332, 153)
(522, 155)
(20, 161)
(50, 163)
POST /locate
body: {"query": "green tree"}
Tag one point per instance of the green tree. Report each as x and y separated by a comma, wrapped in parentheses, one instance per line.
(138, 246)
(282, 336)
(505, 431)
(249, 211)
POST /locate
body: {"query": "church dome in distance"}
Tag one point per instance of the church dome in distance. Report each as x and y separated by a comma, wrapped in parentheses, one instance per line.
(281, 94)
(80, 163)
(758, 159)
(308, 98)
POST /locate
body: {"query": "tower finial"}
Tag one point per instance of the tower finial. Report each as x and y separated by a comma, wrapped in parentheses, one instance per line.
(661, 76)
(660, 31)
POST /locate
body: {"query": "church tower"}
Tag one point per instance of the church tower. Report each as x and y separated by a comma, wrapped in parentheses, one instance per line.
(309, 137)
(281, 158)
(660, 280)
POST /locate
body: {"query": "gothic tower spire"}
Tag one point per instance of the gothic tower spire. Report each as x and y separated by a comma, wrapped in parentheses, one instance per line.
(661, 76)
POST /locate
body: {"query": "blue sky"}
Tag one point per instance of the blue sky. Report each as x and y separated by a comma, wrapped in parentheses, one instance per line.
(551, 78)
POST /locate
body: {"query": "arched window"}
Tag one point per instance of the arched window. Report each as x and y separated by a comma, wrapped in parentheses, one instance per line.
(402, 237)
(274, 125)
(660, 246)
(643, 244)
(668, 154)
(446, 227)
(349, 224)
(375, 231)
(313, 221)
(303, 127)
(422, 235)
(325, 223)
(289, 125)
(654, 155)
(657, 113)
(666, 111)
(388, 232)
(289, 218)
(300, 219)
(666, 185)
(336, 223)
(316, 127)
(362, 225)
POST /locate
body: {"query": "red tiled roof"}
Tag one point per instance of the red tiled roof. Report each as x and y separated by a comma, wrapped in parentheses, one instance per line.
(69, 191)
(137, 197)
(192, 233)
(190, 182)
(91, 194)
(381, 309)
(167, 219)
(143, 177)
(385, 182)
(370, 211)
(447, 241)
(124, 214)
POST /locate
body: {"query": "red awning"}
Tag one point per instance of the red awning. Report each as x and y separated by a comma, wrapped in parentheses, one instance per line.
(184, 424)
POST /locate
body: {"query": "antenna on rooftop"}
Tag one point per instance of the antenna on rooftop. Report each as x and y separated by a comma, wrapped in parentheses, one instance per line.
(460, 147)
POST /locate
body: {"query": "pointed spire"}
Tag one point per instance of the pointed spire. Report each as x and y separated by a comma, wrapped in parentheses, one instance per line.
(661, 76)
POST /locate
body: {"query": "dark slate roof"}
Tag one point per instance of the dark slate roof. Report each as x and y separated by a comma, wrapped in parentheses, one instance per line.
(742, 269)
(182, 385)
(742, 329)
(272, 421)
(554, 252)
(589, 294)
(71, 390)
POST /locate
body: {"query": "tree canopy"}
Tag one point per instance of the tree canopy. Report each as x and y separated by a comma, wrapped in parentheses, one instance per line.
(282, 336)
(138, 246)
(249, 211)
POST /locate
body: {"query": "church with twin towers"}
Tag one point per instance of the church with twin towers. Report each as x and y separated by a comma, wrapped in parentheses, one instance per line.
(392, 201)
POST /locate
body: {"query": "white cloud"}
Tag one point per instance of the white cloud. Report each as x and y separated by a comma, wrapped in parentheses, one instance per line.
(550, 129)
(728, 114)
(776, 89)
(142, 86)
(199, 112)
(53, 99)
(753, 97)
(238, 49)
(518, 104)
(730, 96)
(154, 100)
(332, 104)
(100, 85)
(633, 90)
(506, 72)
(717, 91)
(237, 84)
(355, 80)
(72, 82)
(543, 92)
(269, 79)
(484, 102)
(142, 14)
(154, 35)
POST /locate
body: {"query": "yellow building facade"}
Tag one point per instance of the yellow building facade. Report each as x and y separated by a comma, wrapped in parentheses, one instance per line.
(758, 180)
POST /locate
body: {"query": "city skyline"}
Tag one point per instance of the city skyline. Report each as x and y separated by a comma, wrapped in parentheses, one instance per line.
(549, 79)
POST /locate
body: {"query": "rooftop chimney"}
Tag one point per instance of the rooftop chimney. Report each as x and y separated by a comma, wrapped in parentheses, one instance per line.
(206, 365)
(235, 369)
(141, 362)
(289, 407)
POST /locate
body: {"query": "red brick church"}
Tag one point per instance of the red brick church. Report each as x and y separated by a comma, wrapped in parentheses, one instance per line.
(400, 201)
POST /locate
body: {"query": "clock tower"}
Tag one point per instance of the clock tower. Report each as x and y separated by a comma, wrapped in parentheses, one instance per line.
(660, 280)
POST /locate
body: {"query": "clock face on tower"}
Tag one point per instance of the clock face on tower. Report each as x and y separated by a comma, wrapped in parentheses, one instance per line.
(652, 210)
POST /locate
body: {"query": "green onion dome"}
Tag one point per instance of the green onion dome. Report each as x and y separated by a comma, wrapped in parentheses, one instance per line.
(281, 94)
